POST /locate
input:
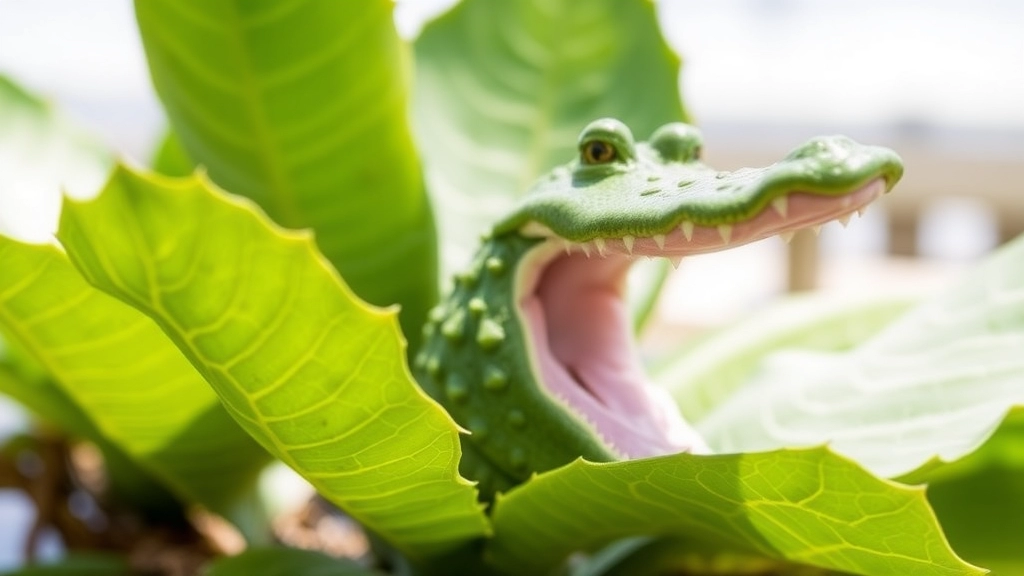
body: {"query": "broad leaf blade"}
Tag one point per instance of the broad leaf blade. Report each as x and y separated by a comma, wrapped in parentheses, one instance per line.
(301, 106)
(314, 374)
(127, 379)
(934, 384)
(503, 88)
(286, 562)
(807, 506)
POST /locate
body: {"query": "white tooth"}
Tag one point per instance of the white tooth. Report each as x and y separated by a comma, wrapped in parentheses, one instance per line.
(687, 228)
(861, 210)
(675, 260)
(725, 231)
(781, 205)
(585, 246)
(787, 236)
(568, 246)
(817, 229)
(599, 243)
(628, 241)
(659, 239)
(844, 219)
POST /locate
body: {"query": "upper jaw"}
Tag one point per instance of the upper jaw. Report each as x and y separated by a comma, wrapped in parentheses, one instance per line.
(782, 216)
(647, 197)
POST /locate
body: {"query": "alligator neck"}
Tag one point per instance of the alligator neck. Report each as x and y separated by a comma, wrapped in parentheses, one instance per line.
(476, 362)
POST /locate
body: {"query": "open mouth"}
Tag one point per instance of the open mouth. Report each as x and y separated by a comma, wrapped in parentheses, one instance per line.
(571, 297)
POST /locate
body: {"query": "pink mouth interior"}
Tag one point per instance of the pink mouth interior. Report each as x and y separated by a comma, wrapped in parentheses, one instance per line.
(574, 308)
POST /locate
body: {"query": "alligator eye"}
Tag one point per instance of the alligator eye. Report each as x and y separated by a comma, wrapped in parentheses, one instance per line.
(605, 141)
(598, 152)
(677, 142)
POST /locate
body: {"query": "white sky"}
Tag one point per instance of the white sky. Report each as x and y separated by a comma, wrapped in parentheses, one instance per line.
(834, 63)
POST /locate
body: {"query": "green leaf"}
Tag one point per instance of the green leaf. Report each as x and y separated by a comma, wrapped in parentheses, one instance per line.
(45, 398)
(88, 564)
(808, 506)
(980, 499)
(503, 88)
(933, 384)
(41, 154)
(707, 373)
(120, 376)
(171, 159)
(302, 106)
(285, 562)
(314, 374)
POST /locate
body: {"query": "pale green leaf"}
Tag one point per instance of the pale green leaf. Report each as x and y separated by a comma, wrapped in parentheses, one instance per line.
(285, 562)
(806, 506)
(314, 374)
(707, 373)
(645, 284)
(933, 384)
(41, 154)
(123, 376)
(503, 88)
(301, 105)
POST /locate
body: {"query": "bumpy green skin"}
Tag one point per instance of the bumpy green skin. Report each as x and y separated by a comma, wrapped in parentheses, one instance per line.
(475, 359)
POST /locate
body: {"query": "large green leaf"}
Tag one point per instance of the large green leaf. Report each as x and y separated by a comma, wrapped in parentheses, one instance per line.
(120, 376)
(503, 88)
(40, 155)
(808, 506)
(980, 499)
(933, 384)
(318, 377)
(286, 562)
(301, 106)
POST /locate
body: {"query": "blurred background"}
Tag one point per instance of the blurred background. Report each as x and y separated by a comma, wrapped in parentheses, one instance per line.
(940, 81)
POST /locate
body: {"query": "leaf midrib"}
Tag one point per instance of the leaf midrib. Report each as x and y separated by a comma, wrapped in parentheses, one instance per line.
(541, 127)
(282, 193)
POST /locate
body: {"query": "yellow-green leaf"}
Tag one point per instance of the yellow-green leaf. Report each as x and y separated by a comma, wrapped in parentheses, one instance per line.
(313, 373)
(124, 376)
